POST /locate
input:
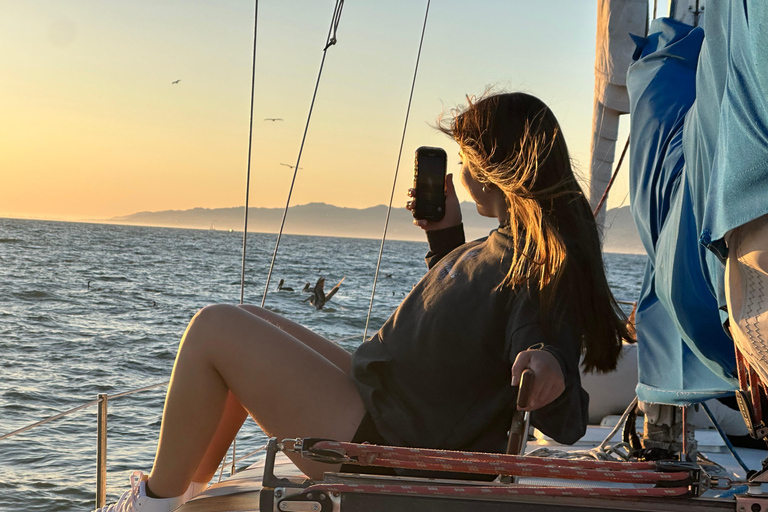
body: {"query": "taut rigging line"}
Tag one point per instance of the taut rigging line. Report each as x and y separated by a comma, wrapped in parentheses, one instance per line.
(330, 41)
(250, 145)
(610, 182)
(397, 167)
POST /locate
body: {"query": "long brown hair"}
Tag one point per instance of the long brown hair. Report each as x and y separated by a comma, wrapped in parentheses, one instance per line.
(513, 141)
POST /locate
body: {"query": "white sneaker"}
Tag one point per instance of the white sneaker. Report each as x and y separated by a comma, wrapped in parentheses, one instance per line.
(136, 499)
(193, 490)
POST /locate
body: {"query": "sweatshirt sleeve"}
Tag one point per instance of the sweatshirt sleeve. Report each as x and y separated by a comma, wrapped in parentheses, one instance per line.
(443, 241)
(565, 418)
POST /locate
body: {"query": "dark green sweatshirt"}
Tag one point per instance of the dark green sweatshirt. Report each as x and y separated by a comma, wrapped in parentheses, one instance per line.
(437, 374)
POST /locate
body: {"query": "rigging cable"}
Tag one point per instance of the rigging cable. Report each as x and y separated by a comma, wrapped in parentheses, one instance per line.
(250, 145)
(725, 439)
(610, 182)
(397, 167)
(330, 41)
(247, 182)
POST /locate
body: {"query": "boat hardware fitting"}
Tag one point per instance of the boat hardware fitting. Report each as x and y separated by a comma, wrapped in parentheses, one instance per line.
(293, 500)
(307, 450)
(756, 430)
(751, 503)
(698, 481)
(761, 476)
(519, 427)
(269, 480)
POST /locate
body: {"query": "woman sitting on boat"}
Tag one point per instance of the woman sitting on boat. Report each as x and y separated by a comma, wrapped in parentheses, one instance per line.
(533, 294)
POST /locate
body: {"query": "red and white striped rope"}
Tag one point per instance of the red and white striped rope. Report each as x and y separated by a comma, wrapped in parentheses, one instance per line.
(354, 449)
(499, 490)
(492, 463)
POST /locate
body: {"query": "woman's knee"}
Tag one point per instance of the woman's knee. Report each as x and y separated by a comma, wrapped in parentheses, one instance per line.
(210, 323)
(225, 324)
(215, 314)
(250, 307)
(260, 312)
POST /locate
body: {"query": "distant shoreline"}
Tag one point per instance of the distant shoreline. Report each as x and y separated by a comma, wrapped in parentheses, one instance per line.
(320, 219)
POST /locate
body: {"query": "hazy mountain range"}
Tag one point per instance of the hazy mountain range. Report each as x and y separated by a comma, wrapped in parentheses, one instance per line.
(327, 220)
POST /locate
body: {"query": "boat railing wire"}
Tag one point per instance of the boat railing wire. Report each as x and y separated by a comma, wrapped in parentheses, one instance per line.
(101, 430)
(81, 407)
(121, 395)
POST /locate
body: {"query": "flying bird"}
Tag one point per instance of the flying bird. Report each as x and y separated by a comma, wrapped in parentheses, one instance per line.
(291, 166)
(273, 118)
(176, 81)
(318, 297)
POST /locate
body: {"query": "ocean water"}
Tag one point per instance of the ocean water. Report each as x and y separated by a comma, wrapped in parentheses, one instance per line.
(91, 308)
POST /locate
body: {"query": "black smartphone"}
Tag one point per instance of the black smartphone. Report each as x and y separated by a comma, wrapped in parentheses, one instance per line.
(429, 183)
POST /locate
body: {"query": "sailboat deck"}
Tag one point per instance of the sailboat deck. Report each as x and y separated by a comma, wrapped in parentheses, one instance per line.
(242, 492)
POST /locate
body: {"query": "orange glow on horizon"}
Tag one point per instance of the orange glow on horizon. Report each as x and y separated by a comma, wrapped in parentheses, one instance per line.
(93, 126)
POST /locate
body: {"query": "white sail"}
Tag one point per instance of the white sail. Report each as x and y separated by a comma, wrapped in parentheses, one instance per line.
(616, 19)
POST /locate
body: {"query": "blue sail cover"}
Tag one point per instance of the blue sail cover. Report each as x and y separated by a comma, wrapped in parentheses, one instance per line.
(698, 168)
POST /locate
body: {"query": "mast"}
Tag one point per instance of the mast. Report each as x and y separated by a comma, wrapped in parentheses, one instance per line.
(687, 11)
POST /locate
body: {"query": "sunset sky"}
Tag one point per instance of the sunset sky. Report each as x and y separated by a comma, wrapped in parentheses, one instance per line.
(92, 127)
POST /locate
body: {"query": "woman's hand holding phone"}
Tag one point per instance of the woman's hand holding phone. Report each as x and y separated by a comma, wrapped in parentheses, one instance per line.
(452, 210)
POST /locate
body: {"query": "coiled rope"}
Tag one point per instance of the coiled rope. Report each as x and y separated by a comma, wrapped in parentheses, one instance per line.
(617, 453)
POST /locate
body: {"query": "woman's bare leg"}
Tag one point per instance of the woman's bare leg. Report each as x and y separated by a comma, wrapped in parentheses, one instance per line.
(326, 348)
(235, 414)
(289, 389)
(231, 421)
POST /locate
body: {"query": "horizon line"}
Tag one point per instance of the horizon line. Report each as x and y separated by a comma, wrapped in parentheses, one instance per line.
(615, 250)
(8, 215)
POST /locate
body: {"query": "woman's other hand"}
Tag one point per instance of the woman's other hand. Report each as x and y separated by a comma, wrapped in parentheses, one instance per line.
(548, 383)
(452, 215)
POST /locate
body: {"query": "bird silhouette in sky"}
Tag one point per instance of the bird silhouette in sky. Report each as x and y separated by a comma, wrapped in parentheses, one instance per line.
(273, 118)
(175, 81)
(291, 166)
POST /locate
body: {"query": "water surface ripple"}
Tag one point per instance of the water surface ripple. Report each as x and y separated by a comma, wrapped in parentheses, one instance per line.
(91, 308)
